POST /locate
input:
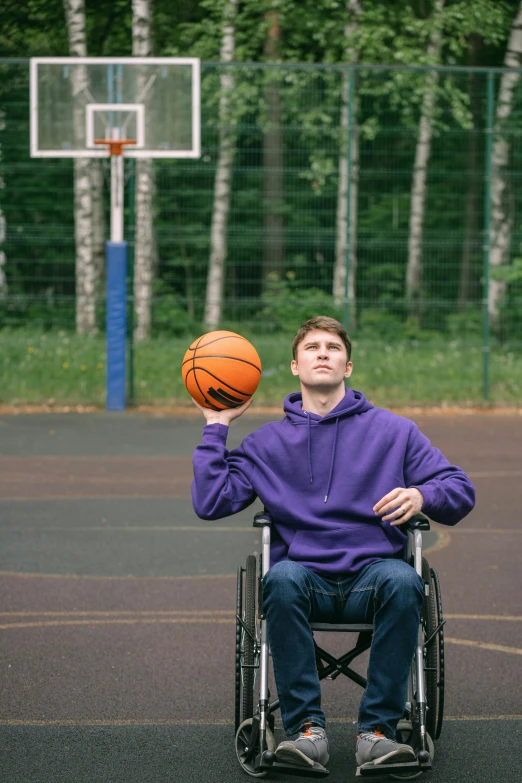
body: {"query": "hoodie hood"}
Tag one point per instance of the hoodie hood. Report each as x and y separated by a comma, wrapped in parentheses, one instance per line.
(353, 402)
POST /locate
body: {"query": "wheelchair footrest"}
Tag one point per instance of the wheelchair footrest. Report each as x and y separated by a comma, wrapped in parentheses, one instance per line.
(269, 763)
(387, 769)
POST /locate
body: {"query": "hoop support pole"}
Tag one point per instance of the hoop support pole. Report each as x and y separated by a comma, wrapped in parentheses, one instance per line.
(116, 324)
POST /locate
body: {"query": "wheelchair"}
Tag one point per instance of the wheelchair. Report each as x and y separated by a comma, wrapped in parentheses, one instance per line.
(254, 712)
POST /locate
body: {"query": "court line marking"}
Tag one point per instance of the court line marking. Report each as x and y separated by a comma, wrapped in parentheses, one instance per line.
(201, 612)
(483, 645)
(495, 474)
(203, 722)
(442, 533)
(129, 529)
(443, 536)
(116, 613)
(514, 618)
(128, 496)
(443, 540)
(487, 474)
(496, 531)
(215, 621)
(24, 575)
(126, 621)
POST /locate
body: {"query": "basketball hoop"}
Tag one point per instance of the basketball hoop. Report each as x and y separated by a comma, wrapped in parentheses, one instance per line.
(115, 145)
(135, 108)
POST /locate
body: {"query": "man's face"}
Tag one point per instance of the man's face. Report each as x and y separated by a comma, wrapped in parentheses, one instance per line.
(321, 361)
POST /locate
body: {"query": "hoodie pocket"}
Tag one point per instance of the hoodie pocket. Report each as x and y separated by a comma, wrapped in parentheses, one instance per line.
(349, 545)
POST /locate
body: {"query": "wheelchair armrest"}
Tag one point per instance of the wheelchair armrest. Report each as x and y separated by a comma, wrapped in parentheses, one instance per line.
(262, 519)
(418, 522)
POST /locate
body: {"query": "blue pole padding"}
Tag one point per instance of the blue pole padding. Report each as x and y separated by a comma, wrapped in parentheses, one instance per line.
(116, 257)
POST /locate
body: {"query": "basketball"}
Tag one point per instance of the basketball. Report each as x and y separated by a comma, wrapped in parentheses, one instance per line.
(221, 370)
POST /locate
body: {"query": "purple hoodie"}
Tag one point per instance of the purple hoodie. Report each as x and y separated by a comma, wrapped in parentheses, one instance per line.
(319, 478)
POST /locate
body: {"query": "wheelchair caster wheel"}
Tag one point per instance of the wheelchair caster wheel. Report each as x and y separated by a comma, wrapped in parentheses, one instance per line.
(246, 755)
(404, 731)
(269, 757)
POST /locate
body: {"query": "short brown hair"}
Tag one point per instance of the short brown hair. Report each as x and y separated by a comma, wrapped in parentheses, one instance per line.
(326, 324)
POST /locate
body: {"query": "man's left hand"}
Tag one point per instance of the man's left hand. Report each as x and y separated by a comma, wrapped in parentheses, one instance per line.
(399, 505)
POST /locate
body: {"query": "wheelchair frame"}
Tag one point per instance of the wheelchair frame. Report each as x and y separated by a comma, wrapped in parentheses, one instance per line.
(254, 724)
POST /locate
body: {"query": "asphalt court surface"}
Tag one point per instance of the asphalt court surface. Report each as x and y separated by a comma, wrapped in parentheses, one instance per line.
(117, 613)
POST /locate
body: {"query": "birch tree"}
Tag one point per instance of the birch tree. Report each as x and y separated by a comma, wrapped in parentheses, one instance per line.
(87, 186)
(273, 228)
(145, 187)
(420, 169)
(347, 189)
(501, 197)
(223, 181)
(472, 165)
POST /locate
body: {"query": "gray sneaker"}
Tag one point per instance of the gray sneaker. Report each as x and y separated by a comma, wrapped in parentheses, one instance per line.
(308, 750)
(375, 748)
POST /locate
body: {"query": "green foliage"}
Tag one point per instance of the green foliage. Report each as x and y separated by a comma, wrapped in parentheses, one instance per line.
(169, 313)
(42, 312)
(511, 274)
(467, 323)
(286, 305)
(510, 315)
(63, 368)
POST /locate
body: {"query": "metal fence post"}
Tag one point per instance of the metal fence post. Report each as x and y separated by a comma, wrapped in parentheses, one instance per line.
(347, 250)
(490, 110)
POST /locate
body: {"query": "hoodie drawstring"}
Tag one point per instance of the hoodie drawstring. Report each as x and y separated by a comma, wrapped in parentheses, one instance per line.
(309, 450)
(333, 458)
(330, 476)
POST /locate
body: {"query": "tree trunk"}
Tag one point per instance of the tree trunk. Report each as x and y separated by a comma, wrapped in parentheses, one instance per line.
(87, 272)
(346, 224)
(501, 199)
(145, 188)
(98, 219)
(3, 279)
(273, 226)
(223, 181)
(420, 171)
(473, 194)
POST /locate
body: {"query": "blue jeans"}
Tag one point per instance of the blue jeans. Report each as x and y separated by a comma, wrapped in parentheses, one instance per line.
(388, 593)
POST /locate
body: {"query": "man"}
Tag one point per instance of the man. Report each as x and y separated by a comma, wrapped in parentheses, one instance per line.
(337, 476)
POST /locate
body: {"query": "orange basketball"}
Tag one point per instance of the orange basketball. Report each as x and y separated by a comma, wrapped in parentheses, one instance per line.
(221, 370)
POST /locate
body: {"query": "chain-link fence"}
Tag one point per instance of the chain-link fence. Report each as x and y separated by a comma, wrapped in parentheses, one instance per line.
(385, 197)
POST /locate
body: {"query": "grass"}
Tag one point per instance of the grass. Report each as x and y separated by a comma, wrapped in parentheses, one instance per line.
(63, 368)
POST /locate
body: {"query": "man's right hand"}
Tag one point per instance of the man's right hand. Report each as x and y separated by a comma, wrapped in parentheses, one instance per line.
(225, 416)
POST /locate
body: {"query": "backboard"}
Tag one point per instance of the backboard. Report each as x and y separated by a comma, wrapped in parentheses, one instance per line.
(154, 101)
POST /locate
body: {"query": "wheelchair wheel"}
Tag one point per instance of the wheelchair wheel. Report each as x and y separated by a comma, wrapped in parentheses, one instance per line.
(244, 748)
(434, 657)
(246, 646)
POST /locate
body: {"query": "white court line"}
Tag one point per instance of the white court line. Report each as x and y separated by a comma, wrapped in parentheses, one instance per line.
(495, 474)
(513, 618)
(482, 645)
(203, 722)
(199, 612)
(131, 529)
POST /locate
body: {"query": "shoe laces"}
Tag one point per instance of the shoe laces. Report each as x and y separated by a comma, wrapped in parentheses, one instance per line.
(373, 736)
(313, 733)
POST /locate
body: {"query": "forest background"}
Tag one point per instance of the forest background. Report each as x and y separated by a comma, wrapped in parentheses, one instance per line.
(359, 159)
